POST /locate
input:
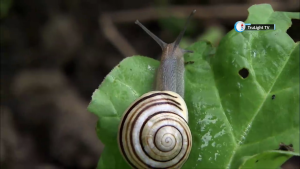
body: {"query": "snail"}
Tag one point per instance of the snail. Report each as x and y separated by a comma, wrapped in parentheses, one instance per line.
(154, 131)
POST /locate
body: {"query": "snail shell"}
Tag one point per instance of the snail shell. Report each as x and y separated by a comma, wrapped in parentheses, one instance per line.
(154, 132)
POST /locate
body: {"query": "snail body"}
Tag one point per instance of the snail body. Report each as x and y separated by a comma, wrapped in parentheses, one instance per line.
(154, 131)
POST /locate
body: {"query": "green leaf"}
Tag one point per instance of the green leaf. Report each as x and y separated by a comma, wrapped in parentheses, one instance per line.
(124, 84)
(233, 119)
(133, 77)
(267, 159)
(111, 158)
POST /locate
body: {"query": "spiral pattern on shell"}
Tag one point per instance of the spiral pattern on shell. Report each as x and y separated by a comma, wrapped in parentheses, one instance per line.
(154, 133)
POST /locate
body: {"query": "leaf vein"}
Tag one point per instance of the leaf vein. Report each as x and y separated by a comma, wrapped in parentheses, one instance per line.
(124, 84)
(269, 137)
(244, 135)
(287, 88)
(227, 119)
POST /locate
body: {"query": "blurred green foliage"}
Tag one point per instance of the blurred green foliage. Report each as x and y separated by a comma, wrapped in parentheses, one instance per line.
(5, 5)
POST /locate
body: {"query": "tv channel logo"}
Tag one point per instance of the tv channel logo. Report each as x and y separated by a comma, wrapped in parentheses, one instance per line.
(239, 26)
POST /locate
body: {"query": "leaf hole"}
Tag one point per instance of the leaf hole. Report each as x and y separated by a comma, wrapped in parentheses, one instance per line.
(256, 161)
(244, 73)
(273, 96)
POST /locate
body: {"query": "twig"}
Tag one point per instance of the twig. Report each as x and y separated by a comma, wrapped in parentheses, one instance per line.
(113, 35)
(107, 20)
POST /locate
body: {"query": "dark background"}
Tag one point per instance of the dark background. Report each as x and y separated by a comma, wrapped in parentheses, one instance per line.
(54, 54)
